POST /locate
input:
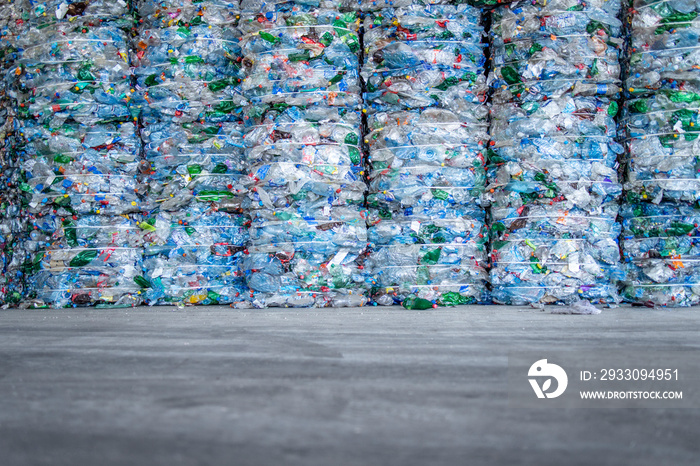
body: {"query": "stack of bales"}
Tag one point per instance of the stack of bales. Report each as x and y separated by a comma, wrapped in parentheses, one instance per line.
(427, 135)
(308, 235)
(81, 156)
(553, 186)
(188, 63)
(660, 215)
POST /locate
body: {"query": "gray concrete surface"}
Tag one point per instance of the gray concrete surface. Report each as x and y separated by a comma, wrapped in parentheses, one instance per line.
(324, 387)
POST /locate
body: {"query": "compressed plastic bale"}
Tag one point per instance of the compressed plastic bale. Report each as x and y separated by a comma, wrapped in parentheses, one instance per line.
(427, 136)
(189, 73)
(661, 253)
(193, 256)
(539, 257)
(85, 260)
(423, 56)
(12, 223)
(560, 152)
(432, 256)
(299, 260)
(661, 193)
(194, 162)
(185, 13)
(420, 157)
(303, 157)
(300, 55)
(50, 11)
(188, 79)
(12, 218)
(546, 49)
(663, 46)
(553, 182)
(663, 144)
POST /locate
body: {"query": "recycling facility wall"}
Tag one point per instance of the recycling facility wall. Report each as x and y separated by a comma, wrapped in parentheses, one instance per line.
(348, 153)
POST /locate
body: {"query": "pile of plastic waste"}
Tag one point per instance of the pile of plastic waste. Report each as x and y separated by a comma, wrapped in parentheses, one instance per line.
(308, 236)
(188, 63)
(427, 137)
(553, 182)
(83, 180)
(660, 216)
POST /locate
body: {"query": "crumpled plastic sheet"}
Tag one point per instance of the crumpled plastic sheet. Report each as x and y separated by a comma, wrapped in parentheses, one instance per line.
(83, 174)
(188, 60)
(308, 236)
(427, 138)
(661, 114)
(553, 182)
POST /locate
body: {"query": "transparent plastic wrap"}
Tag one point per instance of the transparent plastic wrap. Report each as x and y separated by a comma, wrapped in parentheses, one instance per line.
(308, 258)
(661, 250)
(193, 255)
(425, 56)
(428, 257)
(85, 260)
(553, 184)
(300, 55)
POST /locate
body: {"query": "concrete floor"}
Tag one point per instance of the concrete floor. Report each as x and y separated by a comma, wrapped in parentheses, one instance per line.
(372, 386)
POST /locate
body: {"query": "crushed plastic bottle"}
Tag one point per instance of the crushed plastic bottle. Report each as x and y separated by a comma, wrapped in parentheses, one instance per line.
(662, 191)
(188, 69)
(308, 236)
(553, 183)
(427, 136)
